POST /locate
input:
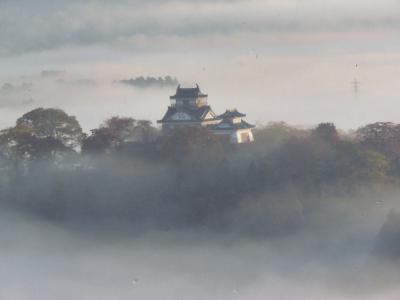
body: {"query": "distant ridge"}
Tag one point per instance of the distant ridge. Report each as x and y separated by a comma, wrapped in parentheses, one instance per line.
(148, 82)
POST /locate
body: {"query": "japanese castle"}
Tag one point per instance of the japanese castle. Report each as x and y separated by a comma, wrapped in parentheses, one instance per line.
(189, 107)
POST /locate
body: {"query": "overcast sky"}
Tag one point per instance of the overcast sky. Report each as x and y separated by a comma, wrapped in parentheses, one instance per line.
(290, 60)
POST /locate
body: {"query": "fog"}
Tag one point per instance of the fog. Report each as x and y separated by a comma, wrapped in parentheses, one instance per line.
(263, 57)
(116, 232)
(304, 212)
(43, 261)
(276, 85)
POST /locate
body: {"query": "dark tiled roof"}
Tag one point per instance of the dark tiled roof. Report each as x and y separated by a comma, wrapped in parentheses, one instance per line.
(188, 93)
(197, 114)
(228, 125)
(231, 113)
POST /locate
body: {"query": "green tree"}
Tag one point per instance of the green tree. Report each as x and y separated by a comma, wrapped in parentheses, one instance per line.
(326, 132)
(276, 133)
(100, 141)
(53, 123)
(20, 142)
(383, 137)
(120, 128)
(116, 131)
(144, 132)
(191, 142)
(20, 145)
(352, 162)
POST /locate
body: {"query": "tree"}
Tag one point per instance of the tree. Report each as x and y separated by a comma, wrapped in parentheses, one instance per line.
(116, 131)
(353, 162)
(314, 165)
(53, 123)
(191, 143)
(101, 141)
(276, 133)
(19, 145)
(120, 128)
(326, 132)
(383, 137)
(144, 132)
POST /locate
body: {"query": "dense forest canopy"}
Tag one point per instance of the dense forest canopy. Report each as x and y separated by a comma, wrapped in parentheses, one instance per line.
(127, 171)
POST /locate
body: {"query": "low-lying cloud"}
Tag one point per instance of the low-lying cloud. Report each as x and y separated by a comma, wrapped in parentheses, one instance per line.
(36, 27)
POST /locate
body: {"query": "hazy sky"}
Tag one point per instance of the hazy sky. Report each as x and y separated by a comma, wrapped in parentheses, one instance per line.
(291, 60)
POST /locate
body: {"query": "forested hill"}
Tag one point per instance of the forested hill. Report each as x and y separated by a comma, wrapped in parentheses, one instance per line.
(126, 172)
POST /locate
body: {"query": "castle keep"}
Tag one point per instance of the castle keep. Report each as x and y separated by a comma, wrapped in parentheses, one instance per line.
(189, 107)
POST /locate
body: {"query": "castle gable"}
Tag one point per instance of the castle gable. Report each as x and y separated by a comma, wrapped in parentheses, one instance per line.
(198, 114)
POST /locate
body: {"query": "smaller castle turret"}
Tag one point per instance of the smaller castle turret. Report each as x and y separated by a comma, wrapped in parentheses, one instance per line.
(232, 124)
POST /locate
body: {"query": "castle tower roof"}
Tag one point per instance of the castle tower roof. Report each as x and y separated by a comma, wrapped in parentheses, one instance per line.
(231, 114)
(188, 93)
